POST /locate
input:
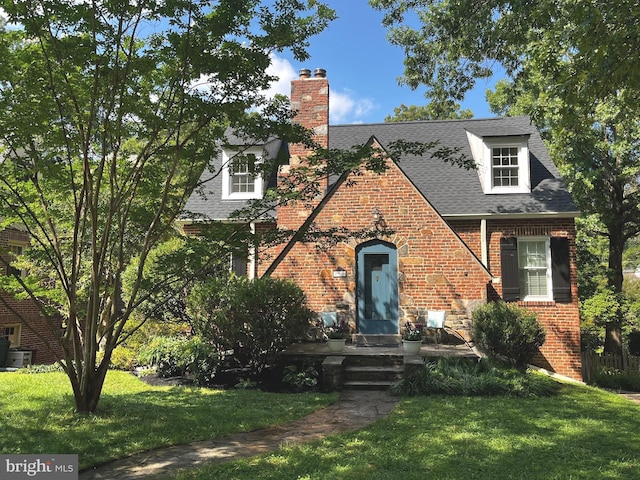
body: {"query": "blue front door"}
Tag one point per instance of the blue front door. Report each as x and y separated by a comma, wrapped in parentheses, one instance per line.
(377, 288)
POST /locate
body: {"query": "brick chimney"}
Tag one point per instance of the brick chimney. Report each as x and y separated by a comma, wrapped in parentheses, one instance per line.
(310, 101)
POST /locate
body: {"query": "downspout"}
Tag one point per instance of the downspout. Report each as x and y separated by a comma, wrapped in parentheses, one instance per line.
(252, 253)
(483, 243)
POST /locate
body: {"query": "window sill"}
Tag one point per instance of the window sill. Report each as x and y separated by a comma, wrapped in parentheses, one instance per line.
(242, 197)
(537, 303)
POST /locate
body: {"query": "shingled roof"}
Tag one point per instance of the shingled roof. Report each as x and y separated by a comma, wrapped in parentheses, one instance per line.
(452, 190)
(207, 203)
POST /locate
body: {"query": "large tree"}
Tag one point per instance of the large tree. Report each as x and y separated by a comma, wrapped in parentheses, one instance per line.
(109, 113)
(573, 66)
(431, 111)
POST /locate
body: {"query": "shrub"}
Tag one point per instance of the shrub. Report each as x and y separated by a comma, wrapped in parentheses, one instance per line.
(616, 380)
(255, 319)
(504, 330)
(634, 342)
(177, 356)
(300, 380)
(450, 376)
(41, 368)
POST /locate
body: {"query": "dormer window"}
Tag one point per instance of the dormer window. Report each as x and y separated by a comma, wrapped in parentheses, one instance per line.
(504, 167)
(241, 180)
(503, 162)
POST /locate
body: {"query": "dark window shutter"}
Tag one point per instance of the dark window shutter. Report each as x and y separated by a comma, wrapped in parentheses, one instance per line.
(239, 265)
(509, 262)
(560, 275)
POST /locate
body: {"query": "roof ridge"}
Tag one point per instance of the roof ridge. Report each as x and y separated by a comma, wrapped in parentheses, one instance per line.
(435, 121)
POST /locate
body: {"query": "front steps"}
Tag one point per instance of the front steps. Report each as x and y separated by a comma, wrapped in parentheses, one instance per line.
(366, 372)
(372, 373)
(374, 366)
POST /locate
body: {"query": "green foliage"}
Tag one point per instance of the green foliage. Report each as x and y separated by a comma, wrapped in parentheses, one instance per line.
(616, 380)
(634, 342)
(338, 330)
(472, 378)
(603, 307)
(256, 319)
(300, 380)
(412, 332)
(505, 330)
(428, 112)
(580, 49)
(123, 357)
(109, 114)
(177, 356)
(38, 368)
(246, 384)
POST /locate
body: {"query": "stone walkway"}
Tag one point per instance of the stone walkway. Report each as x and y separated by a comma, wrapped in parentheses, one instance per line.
(354, 410)
(633, 396)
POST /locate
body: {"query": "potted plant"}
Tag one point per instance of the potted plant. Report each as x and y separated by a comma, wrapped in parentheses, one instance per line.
(412, 338)
(337, 336)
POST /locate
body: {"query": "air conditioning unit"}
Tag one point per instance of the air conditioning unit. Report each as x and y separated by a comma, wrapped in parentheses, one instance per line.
(18, 359)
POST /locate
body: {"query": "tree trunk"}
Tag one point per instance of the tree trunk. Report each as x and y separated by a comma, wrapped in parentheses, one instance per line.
(613, 333)
(613, 339)
(87, 382)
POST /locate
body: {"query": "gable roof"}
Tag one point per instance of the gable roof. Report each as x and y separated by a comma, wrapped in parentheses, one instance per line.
(454, 191)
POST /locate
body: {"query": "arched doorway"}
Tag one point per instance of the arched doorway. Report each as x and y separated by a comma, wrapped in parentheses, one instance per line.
(377, 288)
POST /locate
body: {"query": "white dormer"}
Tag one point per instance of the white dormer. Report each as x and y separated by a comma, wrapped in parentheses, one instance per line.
(241, 180)
(503, 163)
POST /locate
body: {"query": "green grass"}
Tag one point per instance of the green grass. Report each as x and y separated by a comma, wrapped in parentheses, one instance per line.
(38, 415)
(582, 433)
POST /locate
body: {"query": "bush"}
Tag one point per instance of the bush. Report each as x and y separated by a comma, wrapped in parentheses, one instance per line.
(255, 319)
(504, 330)
(177, 356)
(616, 380)
(634, 342)
(300, 380)
(450, 376)
(41, 368)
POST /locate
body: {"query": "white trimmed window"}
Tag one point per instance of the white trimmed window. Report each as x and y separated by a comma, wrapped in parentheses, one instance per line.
(11, 333)
(503, 163)
(534, 268)
(505, 167)
(15, 249)
(240, 179)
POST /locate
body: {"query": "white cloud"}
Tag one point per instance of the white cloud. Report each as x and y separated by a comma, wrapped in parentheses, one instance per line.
(285, 72)
(344, 105)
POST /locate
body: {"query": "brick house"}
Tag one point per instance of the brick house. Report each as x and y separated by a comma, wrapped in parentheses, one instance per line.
(443, 237)
(29, 333)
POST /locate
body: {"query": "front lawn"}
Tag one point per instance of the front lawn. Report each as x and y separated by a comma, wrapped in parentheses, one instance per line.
(582, 433)
(38, 415)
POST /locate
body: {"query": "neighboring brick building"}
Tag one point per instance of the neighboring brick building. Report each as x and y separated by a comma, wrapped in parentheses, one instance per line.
(442, 237)
(20, 321)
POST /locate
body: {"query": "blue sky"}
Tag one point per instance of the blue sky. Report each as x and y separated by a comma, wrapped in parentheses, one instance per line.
(362, 68)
